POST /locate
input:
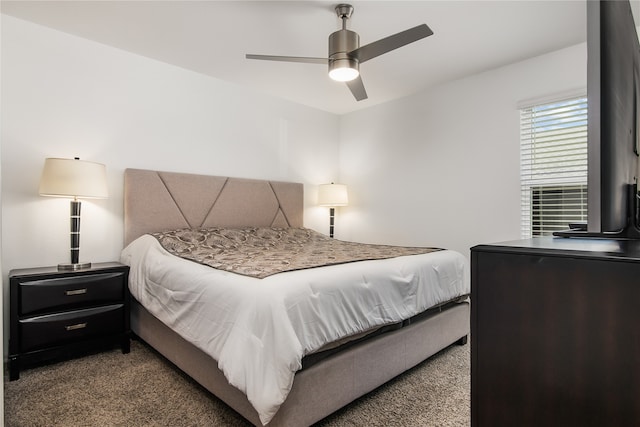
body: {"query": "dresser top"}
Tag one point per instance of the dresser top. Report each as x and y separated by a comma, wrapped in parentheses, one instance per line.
(575, 247)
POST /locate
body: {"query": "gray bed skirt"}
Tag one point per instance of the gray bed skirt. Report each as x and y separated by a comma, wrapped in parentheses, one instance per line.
(326, 386)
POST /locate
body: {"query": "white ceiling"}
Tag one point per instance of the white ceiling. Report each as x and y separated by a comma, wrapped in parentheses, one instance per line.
(212, 37)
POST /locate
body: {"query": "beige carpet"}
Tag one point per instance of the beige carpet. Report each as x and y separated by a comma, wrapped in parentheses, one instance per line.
(143, 389)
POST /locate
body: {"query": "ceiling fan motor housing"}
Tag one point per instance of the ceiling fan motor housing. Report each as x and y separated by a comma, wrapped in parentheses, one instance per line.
(341, 43)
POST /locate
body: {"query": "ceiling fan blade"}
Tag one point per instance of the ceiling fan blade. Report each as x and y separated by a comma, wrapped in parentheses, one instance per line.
(387, 44)
(308, 60)
(357, 88)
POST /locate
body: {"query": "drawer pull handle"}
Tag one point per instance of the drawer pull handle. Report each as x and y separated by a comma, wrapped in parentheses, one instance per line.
(76, 326)
(76, 292)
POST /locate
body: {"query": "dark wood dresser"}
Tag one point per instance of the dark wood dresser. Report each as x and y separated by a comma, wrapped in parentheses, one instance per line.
(56, 314)
(555, 333)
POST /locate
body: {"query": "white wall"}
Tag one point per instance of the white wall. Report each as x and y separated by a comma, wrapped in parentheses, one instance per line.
(64, 96)
(441, 168)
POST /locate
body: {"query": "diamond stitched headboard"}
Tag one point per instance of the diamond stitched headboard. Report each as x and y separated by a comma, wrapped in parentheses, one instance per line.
(156, 201)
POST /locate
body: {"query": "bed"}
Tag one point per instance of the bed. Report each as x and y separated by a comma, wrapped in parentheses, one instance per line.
(325, 369)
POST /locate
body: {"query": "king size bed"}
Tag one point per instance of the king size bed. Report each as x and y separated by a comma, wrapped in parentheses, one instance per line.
(281, 323)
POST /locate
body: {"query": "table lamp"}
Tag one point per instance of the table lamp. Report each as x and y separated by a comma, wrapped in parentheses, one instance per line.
(332, 195)
(76, 179)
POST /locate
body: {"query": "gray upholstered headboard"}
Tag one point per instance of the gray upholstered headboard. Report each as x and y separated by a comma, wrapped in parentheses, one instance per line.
(157, 201)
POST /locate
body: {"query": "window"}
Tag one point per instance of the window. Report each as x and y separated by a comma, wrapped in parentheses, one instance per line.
(553, 165)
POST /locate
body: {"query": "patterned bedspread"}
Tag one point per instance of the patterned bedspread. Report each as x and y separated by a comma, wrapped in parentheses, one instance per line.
(262, 252)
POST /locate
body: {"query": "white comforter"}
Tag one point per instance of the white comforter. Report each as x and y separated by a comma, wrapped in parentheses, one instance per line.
(259, 329)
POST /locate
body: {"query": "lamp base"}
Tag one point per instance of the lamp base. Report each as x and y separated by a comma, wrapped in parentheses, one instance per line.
(74, 266)
(332, 212)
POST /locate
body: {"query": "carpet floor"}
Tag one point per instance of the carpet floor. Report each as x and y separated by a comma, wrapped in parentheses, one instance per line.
(143, 389)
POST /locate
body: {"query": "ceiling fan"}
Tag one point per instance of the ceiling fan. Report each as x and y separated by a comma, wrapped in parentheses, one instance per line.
(346, 54)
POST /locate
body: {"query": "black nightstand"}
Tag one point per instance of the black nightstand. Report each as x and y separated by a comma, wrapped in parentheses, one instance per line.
(58, 314)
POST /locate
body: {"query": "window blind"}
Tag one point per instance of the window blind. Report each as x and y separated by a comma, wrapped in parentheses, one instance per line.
(553, 166)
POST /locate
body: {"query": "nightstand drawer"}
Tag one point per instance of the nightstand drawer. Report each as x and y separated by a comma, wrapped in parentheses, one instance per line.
(68, 292)
(53, 329)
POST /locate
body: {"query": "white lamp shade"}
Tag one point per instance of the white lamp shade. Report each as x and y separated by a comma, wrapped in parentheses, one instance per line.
(333, 195)
(74, 178)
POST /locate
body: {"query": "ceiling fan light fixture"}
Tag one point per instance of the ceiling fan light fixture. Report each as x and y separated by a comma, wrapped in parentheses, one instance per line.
(343, 70)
